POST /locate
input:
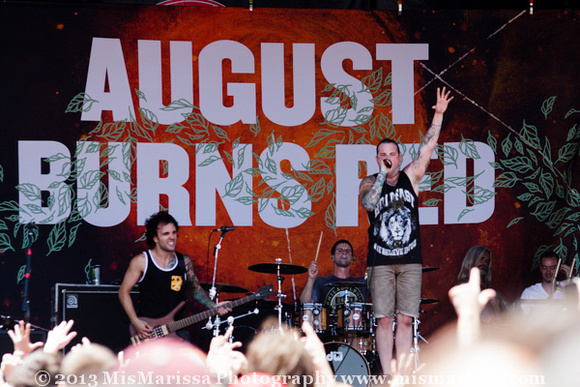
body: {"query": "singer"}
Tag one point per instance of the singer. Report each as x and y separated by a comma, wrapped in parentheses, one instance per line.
(394, 260)
(164, 277)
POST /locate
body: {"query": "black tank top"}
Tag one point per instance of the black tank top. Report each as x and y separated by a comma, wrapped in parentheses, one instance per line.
(394, 226)
(161, 289)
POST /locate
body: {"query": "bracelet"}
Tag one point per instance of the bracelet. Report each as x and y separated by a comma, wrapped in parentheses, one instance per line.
(20, 354)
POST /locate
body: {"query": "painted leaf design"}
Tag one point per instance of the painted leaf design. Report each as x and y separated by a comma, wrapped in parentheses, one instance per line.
(515, 221)
(373, 81)
(547, 106)
(492, 142)
(506, 180)
(529, 134)
(468, 148)
(57, 238)
(181, 103)
(321, 135)
(5, 244)
(235, 186)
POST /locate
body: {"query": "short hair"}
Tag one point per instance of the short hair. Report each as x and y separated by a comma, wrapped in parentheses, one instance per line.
(548, 254)
(153, 223)
(334, 246)
(388, 141)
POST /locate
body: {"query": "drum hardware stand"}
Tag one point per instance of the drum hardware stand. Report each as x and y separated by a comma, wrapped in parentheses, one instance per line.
(416, 336)
(280, 295)
(230, 320)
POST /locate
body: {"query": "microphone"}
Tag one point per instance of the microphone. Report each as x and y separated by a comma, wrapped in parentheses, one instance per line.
(388, 163)
(225, 228)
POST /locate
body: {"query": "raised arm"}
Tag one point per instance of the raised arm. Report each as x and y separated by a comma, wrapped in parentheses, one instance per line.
(417, 168)
(306, 296)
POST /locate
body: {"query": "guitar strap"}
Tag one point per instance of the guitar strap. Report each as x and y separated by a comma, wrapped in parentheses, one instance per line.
(181, 263)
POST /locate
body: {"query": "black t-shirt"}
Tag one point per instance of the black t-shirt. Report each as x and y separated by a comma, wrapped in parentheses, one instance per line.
(324, 293)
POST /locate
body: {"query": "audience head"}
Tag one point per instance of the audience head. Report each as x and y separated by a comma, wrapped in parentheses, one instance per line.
(169, 361)
(90, 360)
(277, 352)
(38, 364)
(480, 257)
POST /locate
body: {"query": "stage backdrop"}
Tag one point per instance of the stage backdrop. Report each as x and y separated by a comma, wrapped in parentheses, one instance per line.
(267, 120)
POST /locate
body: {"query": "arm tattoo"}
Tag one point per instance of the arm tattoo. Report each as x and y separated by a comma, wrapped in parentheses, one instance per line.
(195, 288)
(371, 198)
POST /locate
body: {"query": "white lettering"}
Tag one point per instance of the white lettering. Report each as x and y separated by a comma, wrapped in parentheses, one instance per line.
(402, 57)
(150, 184)
(211, 99)
(151, 83)
(107, 67)
(273, 86)
(331, 64)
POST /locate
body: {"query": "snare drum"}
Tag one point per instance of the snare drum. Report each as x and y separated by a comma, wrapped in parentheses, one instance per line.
(352, 317)
(348, 365)
(317, 315)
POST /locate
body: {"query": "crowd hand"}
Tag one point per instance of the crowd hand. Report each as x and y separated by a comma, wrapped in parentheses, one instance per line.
(20, 336)
(315, 348)
(85, 342)
(400, 367)
(8, 364)
(443, 100)
(313, 270)
(223, 308)
(59, 337)
(223, 362)
(142, 328)
(469, 300)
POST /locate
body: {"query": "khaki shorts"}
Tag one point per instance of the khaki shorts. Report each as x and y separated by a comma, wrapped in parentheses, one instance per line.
(396, 289)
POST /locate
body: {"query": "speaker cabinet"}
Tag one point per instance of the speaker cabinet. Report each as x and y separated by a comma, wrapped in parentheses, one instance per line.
(96, 311)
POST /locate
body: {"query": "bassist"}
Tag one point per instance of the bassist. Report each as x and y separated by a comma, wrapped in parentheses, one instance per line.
(164, 277)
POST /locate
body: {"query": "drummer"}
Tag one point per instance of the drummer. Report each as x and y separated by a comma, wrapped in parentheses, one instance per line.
(335, 289)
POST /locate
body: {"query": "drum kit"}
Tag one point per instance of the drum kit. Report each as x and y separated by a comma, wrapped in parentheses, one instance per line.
(347, 331)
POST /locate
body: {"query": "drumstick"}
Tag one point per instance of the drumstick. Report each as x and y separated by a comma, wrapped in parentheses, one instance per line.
(556, 275)
(318, 249)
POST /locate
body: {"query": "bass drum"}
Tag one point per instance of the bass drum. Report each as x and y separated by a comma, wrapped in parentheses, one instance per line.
(348, 365)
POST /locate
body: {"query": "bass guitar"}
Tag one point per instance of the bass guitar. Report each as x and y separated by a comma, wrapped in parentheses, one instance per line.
(166, 326)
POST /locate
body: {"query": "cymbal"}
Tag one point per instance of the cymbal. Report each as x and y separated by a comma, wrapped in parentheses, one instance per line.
(353, 284)
(272, 268)
(429, 301)
(224, 288)
(428, 269)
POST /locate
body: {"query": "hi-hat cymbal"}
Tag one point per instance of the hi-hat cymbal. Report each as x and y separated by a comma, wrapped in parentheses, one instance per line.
(429, 301)
(428, 269)
(272, 268)
(353, 284)
(224, 288)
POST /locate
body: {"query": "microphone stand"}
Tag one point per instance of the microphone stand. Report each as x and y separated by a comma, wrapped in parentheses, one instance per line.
(218, 246)
(25, 297)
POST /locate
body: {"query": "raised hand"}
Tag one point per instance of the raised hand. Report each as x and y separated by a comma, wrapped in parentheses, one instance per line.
(443, 100)
(20, 336)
